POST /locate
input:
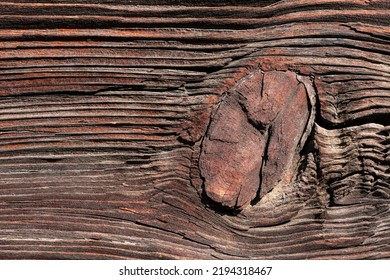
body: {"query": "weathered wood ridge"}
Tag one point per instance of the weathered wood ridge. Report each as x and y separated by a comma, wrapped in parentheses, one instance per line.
(195, 129)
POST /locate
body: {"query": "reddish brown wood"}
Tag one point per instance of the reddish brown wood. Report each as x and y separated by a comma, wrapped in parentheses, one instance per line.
(255, 137)
(115, 117)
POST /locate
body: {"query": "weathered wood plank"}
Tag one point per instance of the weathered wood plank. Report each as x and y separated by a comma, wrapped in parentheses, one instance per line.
(105, 108)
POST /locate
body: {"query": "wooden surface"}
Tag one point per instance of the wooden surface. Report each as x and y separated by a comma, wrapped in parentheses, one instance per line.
(106, 108)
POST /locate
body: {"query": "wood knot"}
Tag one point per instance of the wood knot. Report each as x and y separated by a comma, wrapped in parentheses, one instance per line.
(255, 136)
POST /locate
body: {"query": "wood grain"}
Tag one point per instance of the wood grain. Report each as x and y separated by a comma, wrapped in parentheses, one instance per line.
(104, 106)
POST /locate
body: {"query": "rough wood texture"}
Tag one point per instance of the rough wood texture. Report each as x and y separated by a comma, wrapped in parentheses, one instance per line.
(106, 109)
(254, 136)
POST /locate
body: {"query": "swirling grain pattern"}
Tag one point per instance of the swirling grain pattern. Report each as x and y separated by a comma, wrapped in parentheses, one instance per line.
(104, 106)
